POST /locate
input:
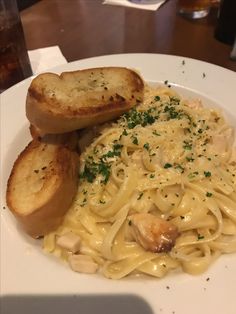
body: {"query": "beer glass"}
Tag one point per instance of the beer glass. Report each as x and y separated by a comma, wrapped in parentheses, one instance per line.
(194, 9)
(14, 60)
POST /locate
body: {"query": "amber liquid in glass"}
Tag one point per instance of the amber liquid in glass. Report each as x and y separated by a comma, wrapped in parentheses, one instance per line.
(194, 8)
(14, 60)
(194, 4)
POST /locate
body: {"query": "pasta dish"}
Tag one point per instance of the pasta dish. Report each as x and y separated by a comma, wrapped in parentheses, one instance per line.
(157, 192)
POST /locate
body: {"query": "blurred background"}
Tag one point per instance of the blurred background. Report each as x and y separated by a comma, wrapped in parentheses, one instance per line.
(87, 28)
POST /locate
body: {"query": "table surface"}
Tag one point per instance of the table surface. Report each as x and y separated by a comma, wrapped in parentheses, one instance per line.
(88, 28)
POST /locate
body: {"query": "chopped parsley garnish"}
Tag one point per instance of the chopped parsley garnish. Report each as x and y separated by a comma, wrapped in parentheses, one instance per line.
(148, 119)
(89, 173)
(157, 98)
(207, 174)
(115, 152)
(124, 132)
(135, 140)
(83, 202)
(105, 171)
(155, 133)
(190, 159)
(179, 167)
(187, 145)
(93, 169)
(135, 118)
(140, 196)
(193, 174)
(175, 100)
(117, 146)
(167, 165)
(146, 146)
(172, 113)
(200, 237)
(208, 194)
(152, 176)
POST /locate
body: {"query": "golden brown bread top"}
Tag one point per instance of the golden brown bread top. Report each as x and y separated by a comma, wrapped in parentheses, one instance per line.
(74, 100)
(43, 183)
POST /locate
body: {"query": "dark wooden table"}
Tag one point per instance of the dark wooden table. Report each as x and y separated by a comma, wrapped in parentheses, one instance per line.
(87, 28)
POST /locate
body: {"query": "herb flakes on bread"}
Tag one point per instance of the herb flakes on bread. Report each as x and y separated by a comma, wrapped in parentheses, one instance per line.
(75, 100)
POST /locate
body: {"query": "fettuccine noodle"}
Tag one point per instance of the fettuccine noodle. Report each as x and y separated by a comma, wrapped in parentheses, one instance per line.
(171, 158)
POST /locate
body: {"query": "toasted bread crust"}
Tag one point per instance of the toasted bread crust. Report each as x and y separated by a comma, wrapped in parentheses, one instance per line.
(35, 133)
(74, 100)
(43, 183)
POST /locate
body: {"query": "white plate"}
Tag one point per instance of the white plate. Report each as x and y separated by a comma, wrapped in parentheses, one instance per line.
(43, 284)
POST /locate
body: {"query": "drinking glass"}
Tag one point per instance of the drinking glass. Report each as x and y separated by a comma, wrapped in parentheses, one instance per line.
(14, 59)
(226, 23)
(194, 9)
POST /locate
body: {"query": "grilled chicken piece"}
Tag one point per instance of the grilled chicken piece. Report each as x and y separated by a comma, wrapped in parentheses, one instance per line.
(152, 233)
(221, 142)
(82, 264)
(69, 241)
(194, 104)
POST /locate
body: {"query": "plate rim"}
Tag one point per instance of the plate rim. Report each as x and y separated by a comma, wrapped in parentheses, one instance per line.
(11, 90)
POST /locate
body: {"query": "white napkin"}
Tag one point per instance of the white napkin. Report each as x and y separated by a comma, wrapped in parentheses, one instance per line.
(45, 58)
(126, 3)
